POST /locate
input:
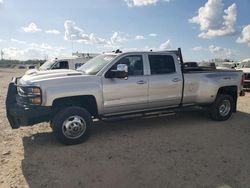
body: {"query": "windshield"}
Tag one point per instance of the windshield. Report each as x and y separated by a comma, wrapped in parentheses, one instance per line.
(94, 65)
(47, 65)
(246, 64)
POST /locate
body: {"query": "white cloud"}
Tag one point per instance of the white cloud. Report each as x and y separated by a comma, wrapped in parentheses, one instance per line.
(76, 34)
(1, 1)
(221, 52)
(42, 46)
(22, 54)
(31, 28)
(117, 38)
(132, 3)
(18, 41)
(215, 22)
(245, 35)
(53, 31)
(139, 37)
(152, 35)
(166, 45)
(72, 32)
(34, 51)
(197, 48)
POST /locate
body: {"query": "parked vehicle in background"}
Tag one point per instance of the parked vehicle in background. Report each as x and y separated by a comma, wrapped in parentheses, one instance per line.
(26, 66)
(21, 67)
(119, 85)
(226, 66)
(245, 67)
(67, 63)
(190, 65)
(31, 66)
(202, 66)
(208, 65)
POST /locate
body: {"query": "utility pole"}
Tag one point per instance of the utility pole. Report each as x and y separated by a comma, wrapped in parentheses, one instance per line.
(2, 54)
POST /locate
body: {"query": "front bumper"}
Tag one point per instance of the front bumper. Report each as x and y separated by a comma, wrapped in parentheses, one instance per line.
(24, 116)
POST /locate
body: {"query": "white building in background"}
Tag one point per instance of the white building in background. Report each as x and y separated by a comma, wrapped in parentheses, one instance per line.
(85, 55)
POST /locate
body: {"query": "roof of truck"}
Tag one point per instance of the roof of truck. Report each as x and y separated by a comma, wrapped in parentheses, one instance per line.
(129, 52)
(246, 60)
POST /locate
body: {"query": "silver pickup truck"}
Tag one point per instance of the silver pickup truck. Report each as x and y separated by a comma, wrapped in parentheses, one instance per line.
(117, 85)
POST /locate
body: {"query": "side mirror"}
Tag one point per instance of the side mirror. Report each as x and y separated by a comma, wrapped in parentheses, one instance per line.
(120, 72)
(122, 68)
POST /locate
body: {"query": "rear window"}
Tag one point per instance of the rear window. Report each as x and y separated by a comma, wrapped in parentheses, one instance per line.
(161, 64)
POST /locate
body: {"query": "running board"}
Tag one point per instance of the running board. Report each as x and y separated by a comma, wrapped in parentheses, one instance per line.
(149, 114)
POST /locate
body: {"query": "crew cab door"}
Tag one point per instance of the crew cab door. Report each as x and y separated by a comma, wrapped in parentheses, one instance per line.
(165, 81)
(124, 95)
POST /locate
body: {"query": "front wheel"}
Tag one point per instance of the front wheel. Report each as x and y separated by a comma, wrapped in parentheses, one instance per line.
(71, 125)
(222, 108)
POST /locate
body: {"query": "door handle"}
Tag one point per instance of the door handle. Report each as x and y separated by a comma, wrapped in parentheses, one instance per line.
(176, 79)
(141, 82)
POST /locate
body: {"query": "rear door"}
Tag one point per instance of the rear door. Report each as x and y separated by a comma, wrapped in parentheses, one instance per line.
(165, 81)
(125, 95)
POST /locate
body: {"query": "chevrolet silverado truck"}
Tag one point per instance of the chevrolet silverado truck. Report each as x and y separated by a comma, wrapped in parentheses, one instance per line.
(118, 85)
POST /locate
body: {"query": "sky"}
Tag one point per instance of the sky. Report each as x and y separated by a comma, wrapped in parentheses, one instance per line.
(204, 29)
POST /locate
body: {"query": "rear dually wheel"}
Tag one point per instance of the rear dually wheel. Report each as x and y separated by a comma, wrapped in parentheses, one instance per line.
(222, 108)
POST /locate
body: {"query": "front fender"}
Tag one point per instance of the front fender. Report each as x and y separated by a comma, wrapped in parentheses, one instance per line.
(52, 93)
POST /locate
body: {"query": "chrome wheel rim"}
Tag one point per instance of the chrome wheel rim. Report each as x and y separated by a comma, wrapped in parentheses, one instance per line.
(225, 108)
(74, 127)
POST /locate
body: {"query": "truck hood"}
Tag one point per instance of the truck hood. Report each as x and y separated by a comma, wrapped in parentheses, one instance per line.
(34, 75)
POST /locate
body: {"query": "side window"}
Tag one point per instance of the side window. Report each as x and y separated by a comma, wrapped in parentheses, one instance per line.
(134, 63)
(64, 65)
(61, 65)
(161, 64)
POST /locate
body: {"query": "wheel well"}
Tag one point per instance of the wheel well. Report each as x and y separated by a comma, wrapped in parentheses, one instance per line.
(86, 101)
(232, 91)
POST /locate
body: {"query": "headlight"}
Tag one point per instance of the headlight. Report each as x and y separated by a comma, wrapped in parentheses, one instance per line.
(30, 95)
(36, 100)
(34, 91)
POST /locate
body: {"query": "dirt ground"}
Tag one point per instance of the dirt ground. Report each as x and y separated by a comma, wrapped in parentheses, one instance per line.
(183, 150)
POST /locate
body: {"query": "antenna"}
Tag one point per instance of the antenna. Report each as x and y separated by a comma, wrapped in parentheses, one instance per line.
(72, 46)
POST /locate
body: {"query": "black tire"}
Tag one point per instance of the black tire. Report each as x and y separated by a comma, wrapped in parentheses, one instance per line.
(79, 121)
(216, 113)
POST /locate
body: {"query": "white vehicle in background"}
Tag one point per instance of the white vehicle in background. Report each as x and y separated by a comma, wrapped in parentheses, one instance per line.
(245, 67)
(226, 66)
(67, 63)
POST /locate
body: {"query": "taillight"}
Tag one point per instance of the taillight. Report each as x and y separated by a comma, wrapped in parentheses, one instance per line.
(242, 79)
